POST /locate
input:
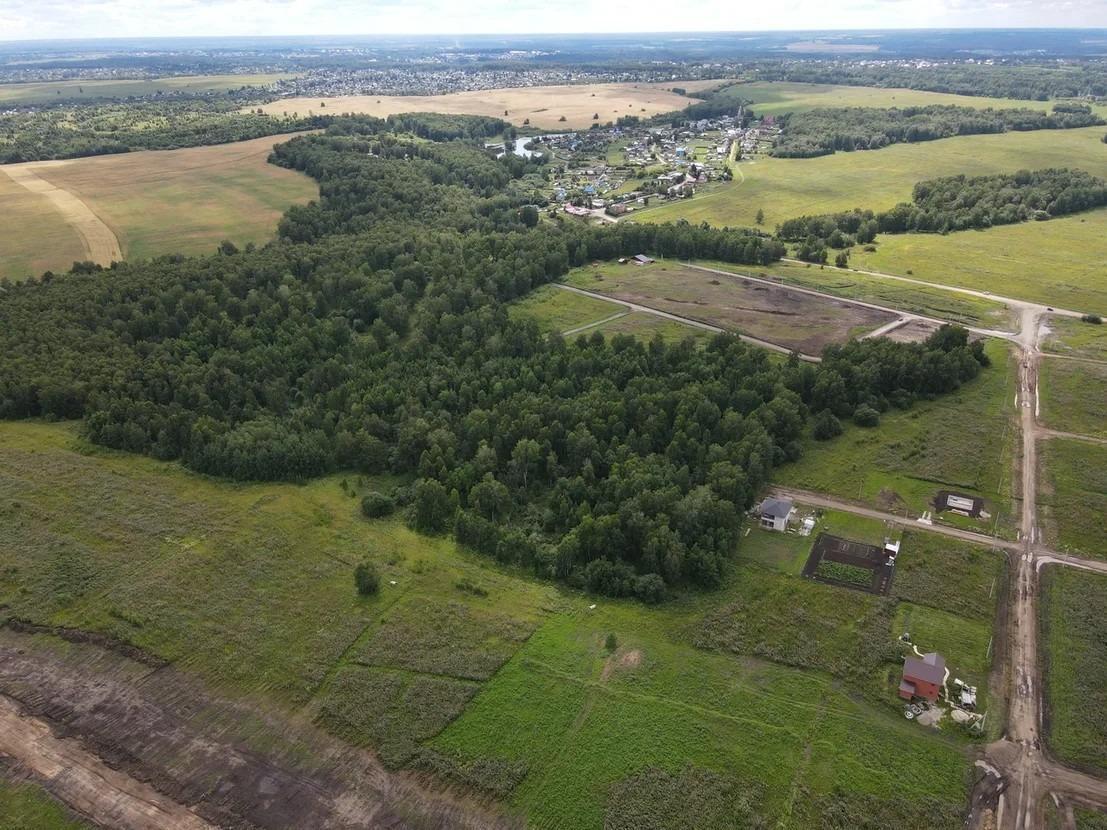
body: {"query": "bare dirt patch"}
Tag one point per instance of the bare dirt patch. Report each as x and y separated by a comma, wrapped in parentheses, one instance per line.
(621, 661)
(854, 555)
(231, 763)
(915, 331)
(543, 106)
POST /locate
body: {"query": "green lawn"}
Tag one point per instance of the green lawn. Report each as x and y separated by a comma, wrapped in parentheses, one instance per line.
(1073, 495)
(25, 806)
(1089, 819)
(1074, 626)
(932, 302)
(1072, 395)
(1076, 338)
(506, 686)
(963, 441)
(646, 326)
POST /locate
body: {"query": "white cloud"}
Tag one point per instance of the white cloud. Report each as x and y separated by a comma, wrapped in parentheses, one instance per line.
(21, 19)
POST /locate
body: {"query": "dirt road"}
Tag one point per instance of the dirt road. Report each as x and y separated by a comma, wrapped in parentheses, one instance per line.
(106, 796)
(128, 743)
(100, 242)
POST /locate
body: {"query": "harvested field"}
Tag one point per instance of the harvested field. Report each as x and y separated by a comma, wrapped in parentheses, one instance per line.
(546, 107)
(788, 318)
(163, 728)
(140, 205)
(33, 237)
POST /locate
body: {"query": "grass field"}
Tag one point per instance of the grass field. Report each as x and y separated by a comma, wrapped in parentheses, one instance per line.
(33, 237)
(932, 302)
(1055, 263)
(1073, 498)
(878, 179)
(1077, 339)
(555, 309)
(175, 201)
(775, 98)
(250, 586)
(1089, 819)
(26, 806)
(963, 441)
(545, 107)
(1074, 623)
(797, 321)
(76, 91)
(1072, 394)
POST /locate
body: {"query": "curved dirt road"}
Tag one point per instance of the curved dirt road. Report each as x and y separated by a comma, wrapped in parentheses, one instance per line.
(100, 242)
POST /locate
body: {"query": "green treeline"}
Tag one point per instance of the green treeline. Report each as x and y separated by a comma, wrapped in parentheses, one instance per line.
(820, 132)
(374, 336)
(61, 132)
(954, 203)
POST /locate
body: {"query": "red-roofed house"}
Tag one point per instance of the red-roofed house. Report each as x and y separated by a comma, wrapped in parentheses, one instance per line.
(923, 677)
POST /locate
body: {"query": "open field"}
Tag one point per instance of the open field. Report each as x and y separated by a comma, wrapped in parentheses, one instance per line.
(1053, 263)
(248, 589)
(54, 92)
(546, 107)
(33, 237)
(1076, 338)
(963, 442)
(777, 97)
(1074, 627)
(1073, 495)
(26, 806)
(1072, 394)
(878, 179)
(919, 299)
(554, 309)
(153, 202)
(797, 321)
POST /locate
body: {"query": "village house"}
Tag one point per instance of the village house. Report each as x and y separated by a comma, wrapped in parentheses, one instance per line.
(775, 513)
(923, 677)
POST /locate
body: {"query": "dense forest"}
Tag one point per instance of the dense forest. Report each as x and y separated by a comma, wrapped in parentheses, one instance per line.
(1023, 81)
(953, 203)
(374, 336)
(820, 132)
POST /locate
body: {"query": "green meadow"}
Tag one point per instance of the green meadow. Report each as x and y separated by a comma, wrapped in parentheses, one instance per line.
(1075, 338)
(26, 806)
(69, 92)
(963, 441)
(1071, 394)
(774, 685)
(1074, 608)
(1072, 498)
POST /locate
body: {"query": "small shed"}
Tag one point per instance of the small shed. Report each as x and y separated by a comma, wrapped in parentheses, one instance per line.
(642, 259)
(775, 513)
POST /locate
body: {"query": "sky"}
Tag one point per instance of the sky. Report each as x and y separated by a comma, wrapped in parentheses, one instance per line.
(35, 19)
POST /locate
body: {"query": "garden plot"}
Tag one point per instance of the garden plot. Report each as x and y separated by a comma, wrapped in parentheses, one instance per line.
(850, 564)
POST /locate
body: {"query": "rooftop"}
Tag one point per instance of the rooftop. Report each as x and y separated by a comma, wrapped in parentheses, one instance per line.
(931, 668)
(775, 507)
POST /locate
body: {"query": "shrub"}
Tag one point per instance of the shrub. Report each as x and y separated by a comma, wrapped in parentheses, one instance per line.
(611, 643)
(866, 416)
(366, 579)
(826, 426)
(375, 505)
(1094, 319)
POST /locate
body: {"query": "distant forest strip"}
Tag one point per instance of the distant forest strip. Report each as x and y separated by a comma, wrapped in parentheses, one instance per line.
(820, 132)
(374, 336)
(1027, 82)
(64, 132)
(955, 203)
